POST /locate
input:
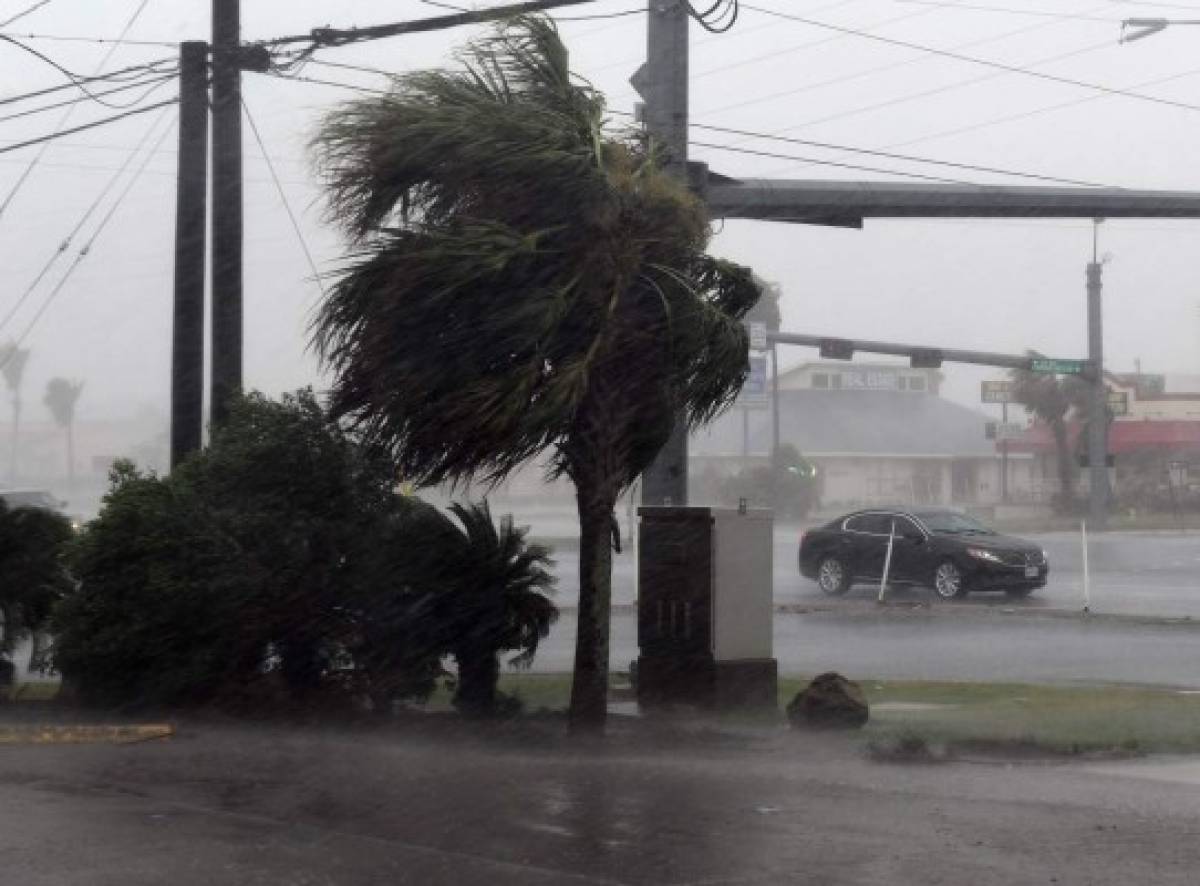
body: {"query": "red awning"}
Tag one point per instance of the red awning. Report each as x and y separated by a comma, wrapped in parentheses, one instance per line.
(1123, 437)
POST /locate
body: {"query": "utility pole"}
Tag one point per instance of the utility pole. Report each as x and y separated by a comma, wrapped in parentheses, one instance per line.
(227, 224)
(191, 208)
(1097, 443)
(663, 83)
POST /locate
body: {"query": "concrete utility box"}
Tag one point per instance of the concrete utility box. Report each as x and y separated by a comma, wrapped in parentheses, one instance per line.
(705, 607)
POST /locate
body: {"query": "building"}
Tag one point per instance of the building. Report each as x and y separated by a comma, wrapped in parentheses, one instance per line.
(877, 433)
(1154, 439)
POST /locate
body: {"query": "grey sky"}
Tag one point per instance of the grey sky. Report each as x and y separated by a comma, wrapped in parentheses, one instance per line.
(997, 285)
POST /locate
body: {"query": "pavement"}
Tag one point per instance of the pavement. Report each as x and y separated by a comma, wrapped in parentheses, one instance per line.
(652, 805)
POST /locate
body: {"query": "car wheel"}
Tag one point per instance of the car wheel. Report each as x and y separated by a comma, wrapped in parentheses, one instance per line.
(1019, 592)
(948, 581)
(833, 577)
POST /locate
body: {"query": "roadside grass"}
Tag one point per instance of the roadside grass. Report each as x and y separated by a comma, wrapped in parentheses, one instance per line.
(1059, 720)
(36, 690)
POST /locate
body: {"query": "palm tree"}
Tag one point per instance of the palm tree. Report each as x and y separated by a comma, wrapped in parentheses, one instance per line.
(1050, 398)
(61, 397)
(524, 282)
(12, 365)
(490, 588)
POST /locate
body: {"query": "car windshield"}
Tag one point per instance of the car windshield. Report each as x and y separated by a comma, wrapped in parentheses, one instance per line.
(953, 523)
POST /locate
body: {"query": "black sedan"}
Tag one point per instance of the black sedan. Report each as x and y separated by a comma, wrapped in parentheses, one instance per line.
(943, 549)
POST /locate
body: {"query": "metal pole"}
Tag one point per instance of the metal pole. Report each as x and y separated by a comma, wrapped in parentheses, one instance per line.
(191, 207)
(227, 224)
(663, 83)
(1098, 492)
(1004, 457)
(774, 407)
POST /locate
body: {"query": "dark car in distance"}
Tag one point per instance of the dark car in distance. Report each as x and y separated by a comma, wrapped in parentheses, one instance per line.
(939, 548)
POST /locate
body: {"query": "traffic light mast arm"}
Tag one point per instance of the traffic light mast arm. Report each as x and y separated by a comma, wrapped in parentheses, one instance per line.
(921, 352)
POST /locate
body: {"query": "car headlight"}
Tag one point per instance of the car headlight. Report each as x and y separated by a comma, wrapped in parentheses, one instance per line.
(983, 554)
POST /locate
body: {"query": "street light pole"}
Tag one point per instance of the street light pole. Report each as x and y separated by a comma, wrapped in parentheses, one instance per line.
(1097, 443)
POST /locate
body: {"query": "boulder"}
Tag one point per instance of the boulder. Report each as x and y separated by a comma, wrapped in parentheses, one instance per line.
(830, 701)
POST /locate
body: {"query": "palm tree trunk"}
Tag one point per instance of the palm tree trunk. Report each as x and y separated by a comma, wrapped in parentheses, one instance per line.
(71, 454)
(478, 675)
(589, 687)
(1066, 471)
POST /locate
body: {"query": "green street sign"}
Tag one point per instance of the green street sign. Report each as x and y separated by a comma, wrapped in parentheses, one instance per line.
(1058, 367)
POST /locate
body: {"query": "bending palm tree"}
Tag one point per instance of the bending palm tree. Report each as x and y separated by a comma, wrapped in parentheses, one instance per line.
(61, 397)
(525, 282)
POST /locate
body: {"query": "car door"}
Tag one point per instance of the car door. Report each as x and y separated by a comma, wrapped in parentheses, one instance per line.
(910, 553)
(868, 540)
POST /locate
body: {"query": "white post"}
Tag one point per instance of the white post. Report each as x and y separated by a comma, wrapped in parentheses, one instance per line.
(1087, 591)
(887, 561)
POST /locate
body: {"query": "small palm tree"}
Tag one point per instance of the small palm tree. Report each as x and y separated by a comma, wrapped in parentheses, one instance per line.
(1050, 399)
(12, 364)
(496, 602)
(525, 281)
(61, 397)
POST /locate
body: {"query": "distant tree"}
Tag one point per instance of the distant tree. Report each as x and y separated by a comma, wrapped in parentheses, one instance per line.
(1050, 398)
(61, 397)
(13, 360)
(526, 281)
(33, 573)
(766, 309)
(789, 485)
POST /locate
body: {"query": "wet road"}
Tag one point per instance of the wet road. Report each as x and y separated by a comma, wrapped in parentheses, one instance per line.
(657, 805)
(1152, 574)
(1138, 580)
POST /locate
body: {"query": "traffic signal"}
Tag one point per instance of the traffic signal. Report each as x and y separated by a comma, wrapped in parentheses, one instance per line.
(836, 349)
(926, 358)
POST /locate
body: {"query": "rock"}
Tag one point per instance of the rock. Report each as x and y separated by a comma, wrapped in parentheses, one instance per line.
(829, 702)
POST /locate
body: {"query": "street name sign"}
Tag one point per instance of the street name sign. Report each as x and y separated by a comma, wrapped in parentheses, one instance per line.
(1058, 367)
(758, 336)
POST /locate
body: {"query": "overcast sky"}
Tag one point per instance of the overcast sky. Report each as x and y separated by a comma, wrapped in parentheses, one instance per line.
(995, 285)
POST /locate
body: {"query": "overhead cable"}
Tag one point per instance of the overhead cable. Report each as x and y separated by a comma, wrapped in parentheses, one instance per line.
(287, 206)
(86, 249)
(63, 133)
(149, 85)
(20, 15)
(79, 226)
(1000, 66)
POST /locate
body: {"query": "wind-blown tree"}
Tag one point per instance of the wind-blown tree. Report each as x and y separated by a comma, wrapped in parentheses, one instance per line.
(61, 397)
(12, 366)
(33, 575)
(1050, 398)
(524, 282)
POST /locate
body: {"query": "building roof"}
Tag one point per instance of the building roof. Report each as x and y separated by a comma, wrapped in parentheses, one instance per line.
(855, 423)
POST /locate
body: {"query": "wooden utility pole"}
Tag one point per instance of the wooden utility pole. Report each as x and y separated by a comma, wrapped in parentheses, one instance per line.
(227, 224)
(663, 83)
(191, 209)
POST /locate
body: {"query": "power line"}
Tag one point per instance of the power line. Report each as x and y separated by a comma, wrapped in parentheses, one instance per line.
(117, 76)
(79, 226)
(91, 241)
(106, 41)
(20, 15)
(36, 158)
(70, 75)
(1037, 13)
(152, 84)
(305, 79)
(62, 133)
(834, 81)
(283, 196)
(988, 63)
(917, 175)
(87, 247)
(340, 37)
(893, 156)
